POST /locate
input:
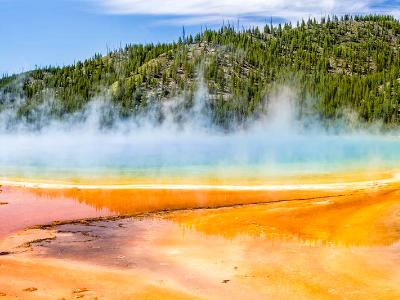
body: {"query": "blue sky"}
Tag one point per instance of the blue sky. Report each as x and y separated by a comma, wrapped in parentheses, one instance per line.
(59, 32)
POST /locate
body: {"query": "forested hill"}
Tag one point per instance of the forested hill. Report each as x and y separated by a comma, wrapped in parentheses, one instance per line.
(351, 63)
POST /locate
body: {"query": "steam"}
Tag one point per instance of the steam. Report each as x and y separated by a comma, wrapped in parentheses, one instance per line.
(171, 141)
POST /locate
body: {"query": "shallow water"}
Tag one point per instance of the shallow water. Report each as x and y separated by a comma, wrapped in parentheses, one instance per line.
(27, 207)
(33, 204)
(23, 209)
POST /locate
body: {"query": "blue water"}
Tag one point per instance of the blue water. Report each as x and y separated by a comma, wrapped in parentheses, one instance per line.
(153, 154)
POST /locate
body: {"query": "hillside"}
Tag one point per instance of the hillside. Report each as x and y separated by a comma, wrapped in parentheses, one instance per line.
(346, 64)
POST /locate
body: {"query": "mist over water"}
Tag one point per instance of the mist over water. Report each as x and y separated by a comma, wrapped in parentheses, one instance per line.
(186, 144)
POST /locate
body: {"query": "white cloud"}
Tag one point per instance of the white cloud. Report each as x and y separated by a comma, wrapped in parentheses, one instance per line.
(215, 10)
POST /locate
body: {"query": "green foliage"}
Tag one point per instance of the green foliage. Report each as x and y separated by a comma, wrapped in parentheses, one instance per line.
(347, 63)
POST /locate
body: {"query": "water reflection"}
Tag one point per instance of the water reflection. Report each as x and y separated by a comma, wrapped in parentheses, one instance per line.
(353, 217)
(25, 208)
(364, 218)
(127, 202)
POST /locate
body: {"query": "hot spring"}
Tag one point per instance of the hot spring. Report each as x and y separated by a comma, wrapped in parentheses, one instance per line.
(271, 149)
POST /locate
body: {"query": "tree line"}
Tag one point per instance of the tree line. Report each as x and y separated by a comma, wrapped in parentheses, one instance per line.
(351, 62)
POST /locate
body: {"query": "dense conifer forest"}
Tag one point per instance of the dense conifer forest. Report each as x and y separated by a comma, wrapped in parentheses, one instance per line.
(351, 63)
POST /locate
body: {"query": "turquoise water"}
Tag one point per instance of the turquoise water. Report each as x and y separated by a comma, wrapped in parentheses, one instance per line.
(161, 155)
